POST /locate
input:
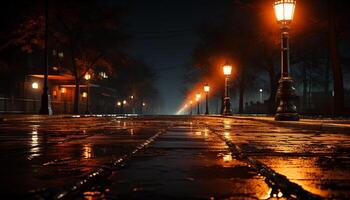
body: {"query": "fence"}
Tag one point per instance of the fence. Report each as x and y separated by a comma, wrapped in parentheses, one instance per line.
(31, 106)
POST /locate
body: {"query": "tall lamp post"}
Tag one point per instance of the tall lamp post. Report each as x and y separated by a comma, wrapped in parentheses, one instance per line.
(63, 95)
(143, 106)
(227, 104)
(261, 95)
(87, 77)
(206, 90)
(198, 96)
(45, 107)
(191, 102)
(286, 110)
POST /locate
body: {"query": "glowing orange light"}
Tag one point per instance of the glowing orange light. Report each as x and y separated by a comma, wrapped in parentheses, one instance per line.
(198, 96)
(206, 88)
(35, 85)
(63, 90)
(227, 70)
(87, 76)
(284, 10)
(84, 94)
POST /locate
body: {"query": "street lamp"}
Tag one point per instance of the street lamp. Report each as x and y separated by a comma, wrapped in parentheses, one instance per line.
(132, 104)
(143, 106)
(87, 77)
(286, 110)
(198, 96)
(206, 90)
(191, 102)
(45, 107)
(63, 92)
(261, 95)
(227, 104)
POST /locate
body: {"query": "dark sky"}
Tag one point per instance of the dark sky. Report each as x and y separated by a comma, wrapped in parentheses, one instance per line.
(164, 34)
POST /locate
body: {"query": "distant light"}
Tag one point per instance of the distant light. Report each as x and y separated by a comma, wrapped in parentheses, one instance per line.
(143, 104)
(124, 102)
(227, 70)
(35, 85)
(87, 76)
(84, 94)
(206, 88)
(261, 90)
(284, 10)
(60, 55)
(131, 97)
(191, 102)
(63, 90)
(119, 103)
(198, 96)
(103, 75)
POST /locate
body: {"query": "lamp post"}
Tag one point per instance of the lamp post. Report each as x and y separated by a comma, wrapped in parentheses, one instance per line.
(286, 110)
(143, 106)
(198, 96)
(206, 90)
(261, 95)
(132, 104)
(45, 107)
(227, 104)
(63, 95)
(87, 77)
(119, 105)
(191, 102)
(123, 105)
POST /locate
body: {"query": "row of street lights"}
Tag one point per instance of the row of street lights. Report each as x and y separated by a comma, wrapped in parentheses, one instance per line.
(286, 110)
(122, 104)
(227, 69)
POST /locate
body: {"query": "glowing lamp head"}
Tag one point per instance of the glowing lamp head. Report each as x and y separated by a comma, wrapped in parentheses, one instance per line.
(87, 76)
(227, 70)
(206, 88)
(35, 85)
(84, 94)
(131, 97)
(191, 102)
(284, 10)
(198, 96)
(143, 104)
(261, 90)
(124, 102)
(119, 103)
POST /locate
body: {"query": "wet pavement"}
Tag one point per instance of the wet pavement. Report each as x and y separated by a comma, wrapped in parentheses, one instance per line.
(170, 157)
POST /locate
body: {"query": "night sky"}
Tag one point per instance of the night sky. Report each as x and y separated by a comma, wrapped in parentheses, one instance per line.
(164, 34)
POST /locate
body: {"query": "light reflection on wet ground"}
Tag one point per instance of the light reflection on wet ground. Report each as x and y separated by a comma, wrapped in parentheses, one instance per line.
(57, 152)
(317, 161)
(187, 161)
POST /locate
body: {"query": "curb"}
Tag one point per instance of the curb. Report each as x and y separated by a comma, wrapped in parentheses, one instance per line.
(319, 126)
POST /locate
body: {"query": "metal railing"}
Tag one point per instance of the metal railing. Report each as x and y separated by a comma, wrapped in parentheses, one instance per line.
(14, 105)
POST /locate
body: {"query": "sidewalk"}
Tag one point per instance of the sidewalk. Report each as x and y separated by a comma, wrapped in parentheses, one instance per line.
(187, 163)
(340, 126)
